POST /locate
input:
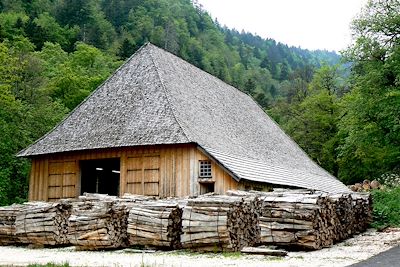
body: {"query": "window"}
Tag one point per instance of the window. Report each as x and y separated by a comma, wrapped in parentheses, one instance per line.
(206, 188)
(205, 169)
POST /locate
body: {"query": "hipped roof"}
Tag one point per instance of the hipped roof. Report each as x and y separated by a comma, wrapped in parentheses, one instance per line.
(157, 98)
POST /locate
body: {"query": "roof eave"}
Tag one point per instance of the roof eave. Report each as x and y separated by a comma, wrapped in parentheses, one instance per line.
(216, 161)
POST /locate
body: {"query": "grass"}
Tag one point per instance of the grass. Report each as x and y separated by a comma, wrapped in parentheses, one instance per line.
(50, 264)
(386, 207)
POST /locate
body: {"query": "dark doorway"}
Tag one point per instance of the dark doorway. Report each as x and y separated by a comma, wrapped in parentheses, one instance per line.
(100, 176)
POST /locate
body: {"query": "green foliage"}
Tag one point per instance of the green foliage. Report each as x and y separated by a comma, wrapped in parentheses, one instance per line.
(386, 207)
(312, 116)
(370, 128)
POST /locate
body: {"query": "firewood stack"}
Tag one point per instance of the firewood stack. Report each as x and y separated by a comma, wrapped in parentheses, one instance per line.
(7, 224)
(362, 208)
(43, 223)
(98, 222)
(220, 223)
(301, 219)
(344, 209)
(155, 224)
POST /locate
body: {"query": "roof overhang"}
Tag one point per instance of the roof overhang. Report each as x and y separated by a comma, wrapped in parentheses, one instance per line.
(216, 161)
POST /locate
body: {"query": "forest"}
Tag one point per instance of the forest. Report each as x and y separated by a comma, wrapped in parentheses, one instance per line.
(343, 110)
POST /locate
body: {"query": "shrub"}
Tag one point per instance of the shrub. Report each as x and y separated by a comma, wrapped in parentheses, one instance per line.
(386, 207)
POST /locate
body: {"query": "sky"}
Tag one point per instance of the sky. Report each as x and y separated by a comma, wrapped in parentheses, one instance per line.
(309, 24)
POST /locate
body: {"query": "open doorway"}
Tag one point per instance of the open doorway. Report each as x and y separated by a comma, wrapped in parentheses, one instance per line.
(100, 176)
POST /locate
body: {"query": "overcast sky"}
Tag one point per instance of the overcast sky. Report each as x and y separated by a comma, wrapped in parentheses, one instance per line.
(311, 24)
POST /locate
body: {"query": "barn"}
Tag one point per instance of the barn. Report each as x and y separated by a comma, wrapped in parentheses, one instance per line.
(160, 126)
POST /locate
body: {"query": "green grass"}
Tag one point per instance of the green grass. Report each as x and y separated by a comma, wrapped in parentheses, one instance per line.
(386, 207)
(50, 264)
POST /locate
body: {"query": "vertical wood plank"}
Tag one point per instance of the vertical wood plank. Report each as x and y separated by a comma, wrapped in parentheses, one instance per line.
(45, 180)
(122, 176)
(37, 185)
(192, 176)
(185, 171)
(32, 180)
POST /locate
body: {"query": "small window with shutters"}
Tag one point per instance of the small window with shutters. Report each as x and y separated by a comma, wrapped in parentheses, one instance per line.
(205, 169)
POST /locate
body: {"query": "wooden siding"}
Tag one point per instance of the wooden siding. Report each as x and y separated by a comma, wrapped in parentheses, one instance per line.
(165, 171)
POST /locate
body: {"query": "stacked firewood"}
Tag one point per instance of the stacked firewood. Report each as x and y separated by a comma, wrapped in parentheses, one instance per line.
(155, 224)
(345, 212)
(291, 219)
(220, 223)
(97, 222)
(8, 215)
(309, 219)
(43, 223)
(365, 186)
(362, 208)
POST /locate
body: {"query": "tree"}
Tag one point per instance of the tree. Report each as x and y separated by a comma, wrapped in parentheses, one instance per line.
(312, 122)
(370, 127)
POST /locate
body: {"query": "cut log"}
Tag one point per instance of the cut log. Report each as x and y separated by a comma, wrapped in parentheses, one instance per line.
(220, 223)
(98, 222)
(263, 251)
(155, 224)
(8, 216)
(43, 223)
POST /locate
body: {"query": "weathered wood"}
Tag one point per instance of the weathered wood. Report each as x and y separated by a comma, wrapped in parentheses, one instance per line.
(155, 224)
(309, 219)
(98, 222)
(263, 251)
(43, 223)
(220, 223)
(7, 224)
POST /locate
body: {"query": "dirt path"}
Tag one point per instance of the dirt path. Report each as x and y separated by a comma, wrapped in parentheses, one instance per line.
(346, 253)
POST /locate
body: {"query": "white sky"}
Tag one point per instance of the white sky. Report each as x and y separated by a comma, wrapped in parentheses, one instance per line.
(311, 24)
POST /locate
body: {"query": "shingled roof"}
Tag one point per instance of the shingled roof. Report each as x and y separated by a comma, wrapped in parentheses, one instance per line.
(158, 98)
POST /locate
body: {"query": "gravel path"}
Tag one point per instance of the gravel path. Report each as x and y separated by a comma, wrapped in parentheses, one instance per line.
(346, 253)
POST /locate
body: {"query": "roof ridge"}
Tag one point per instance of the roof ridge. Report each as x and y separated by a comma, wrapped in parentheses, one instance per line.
(167, 94)
(20, 153)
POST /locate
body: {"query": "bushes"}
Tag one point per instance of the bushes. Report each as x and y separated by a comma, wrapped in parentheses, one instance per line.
(386, 207)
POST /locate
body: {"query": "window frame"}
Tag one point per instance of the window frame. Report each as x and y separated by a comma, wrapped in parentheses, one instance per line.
(205, 174)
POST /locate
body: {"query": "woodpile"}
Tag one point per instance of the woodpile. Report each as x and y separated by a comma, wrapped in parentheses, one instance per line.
(362, 208)
(220, 223)
(98, 222)
(310, 220)
(365, 186)
(303, 219)
(155, 224)
(8, 216)
(43, 223)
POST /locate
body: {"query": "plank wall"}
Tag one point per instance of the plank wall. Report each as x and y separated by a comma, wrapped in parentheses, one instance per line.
(165, 171)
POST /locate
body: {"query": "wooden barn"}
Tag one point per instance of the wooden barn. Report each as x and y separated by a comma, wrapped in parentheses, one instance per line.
(160, 126)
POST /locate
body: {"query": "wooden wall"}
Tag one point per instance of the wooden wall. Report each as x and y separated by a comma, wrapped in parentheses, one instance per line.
(168, 170)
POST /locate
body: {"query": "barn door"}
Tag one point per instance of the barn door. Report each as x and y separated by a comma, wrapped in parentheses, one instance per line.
(143, 175)
(62, 180)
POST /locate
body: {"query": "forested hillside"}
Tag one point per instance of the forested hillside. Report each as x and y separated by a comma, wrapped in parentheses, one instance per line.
(53, 53)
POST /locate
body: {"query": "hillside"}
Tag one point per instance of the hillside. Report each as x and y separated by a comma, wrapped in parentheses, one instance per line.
(54, 53)
(119, 27)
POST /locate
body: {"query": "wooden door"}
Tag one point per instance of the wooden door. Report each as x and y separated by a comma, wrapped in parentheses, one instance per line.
(61, 180)
(143, 175)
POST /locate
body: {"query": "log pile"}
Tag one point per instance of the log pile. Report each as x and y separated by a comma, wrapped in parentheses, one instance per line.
(43, 223)
(220, 223)
(155, 224)
(362, 208)
(7, 224)
(293, 218)
(310, 220)
(97, 222)
(344, 209)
